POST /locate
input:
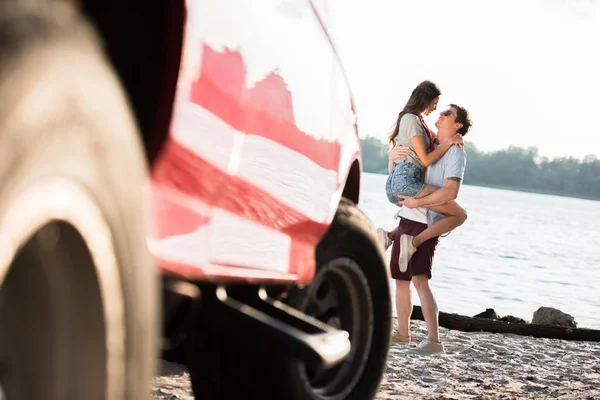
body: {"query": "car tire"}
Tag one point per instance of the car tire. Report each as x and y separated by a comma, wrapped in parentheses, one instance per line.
(78, 294)
(349, 291)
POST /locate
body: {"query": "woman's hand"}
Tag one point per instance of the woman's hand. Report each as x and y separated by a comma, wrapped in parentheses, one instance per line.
(457, 139)
(407, 201)
(398, 151)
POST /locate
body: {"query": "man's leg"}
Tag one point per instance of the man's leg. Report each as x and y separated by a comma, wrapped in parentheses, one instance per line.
(428, 306)
(403, 307)
(420, 267)
(402, 279)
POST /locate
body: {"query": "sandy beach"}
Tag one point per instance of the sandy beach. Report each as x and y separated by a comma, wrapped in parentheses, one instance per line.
(478, 365)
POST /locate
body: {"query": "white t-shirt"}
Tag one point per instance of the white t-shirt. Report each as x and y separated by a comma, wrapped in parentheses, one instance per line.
(414, 214)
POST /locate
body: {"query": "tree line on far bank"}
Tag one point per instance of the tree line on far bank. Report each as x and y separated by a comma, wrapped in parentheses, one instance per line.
(512, 168)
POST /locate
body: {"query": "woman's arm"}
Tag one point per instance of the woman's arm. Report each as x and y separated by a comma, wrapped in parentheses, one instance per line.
(427, 159)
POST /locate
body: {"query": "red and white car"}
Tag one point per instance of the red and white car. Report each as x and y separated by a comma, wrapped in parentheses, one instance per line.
(201, 152)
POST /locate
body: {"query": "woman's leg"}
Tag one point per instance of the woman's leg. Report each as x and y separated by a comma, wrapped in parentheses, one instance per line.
(391, 234)
(455, 217)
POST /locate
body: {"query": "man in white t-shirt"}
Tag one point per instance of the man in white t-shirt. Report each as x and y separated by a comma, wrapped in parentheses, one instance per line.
(447, 173)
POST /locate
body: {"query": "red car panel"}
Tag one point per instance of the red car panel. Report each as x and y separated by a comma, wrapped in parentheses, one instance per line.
(261, 142)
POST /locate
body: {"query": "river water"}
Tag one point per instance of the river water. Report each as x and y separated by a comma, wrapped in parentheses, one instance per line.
(515, 253)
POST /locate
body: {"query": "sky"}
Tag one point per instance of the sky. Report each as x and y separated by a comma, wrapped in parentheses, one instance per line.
(528, 71)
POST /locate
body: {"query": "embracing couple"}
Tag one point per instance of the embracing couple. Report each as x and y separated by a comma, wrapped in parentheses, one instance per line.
(426, 171)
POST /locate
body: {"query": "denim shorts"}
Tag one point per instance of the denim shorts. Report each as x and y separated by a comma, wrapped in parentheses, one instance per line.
(405, 179)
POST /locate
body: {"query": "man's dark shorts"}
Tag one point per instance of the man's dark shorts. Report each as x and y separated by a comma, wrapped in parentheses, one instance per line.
(422, 261)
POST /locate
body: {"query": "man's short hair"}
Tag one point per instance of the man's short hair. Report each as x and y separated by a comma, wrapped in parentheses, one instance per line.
(462, 117)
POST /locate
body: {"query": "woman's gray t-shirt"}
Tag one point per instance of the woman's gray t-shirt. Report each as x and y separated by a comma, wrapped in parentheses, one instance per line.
(410, 126)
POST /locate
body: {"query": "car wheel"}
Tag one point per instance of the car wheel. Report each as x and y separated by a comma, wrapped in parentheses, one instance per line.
(78, 290)
(350, 291)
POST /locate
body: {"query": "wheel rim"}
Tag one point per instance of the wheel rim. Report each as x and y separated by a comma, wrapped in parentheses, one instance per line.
(53, 238)
(340, 296)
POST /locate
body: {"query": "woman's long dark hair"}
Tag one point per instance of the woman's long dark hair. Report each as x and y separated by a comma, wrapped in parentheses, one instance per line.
(419, 100)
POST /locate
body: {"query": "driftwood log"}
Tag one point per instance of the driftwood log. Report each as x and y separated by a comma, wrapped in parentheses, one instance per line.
(474, 324)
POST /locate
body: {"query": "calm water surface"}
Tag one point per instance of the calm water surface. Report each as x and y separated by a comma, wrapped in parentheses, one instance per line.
(516, 252)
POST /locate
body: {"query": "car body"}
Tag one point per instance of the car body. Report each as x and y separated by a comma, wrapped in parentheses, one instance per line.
(261, 143)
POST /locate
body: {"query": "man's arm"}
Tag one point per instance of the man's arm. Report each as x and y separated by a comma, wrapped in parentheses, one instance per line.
(395, 153)
(443, 195)
(453, 172)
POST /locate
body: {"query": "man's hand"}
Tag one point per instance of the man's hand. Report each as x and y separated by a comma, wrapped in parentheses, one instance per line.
(398, 151)
(408, 202)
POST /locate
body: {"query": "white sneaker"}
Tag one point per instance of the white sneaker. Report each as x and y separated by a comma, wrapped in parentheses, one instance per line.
(428, 346)
(407, 249)
(384, 238)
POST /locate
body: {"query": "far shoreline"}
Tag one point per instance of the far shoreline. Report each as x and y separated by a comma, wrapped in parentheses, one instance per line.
(517, 189)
